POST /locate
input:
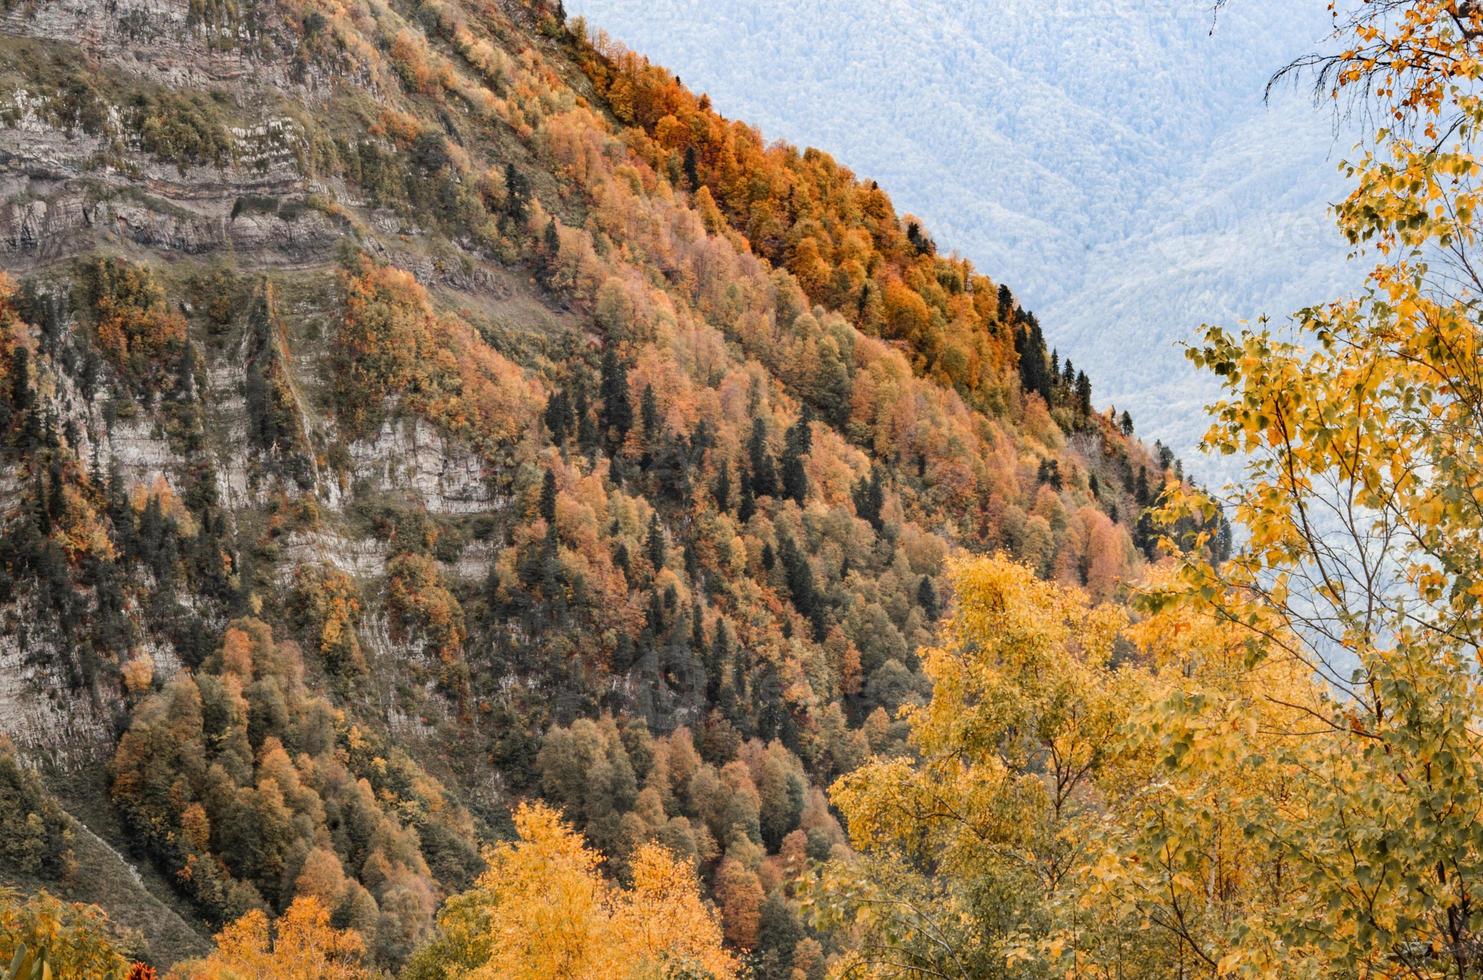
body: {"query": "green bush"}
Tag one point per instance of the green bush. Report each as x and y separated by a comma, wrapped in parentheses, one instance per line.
(184, 128)
(35, 838)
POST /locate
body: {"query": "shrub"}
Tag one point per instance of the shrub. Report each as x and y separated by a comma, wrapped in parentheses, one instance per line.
(327, 605)
(183, 128)
(142, 337)
(37, 839)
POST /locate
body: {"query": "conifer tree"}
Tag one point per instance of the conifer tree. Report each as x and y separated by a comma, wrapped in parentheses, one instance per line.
(624, 654)
(22, 401)
(20, 378)
(587, 434)
(1006, 304)
(927, 599)
(558, 416)
(654, 545)
(1035, 373)
(717, 658)
(799, 442)
(1050, 474)
(692, 172)
(799, 575)
(869, 497)
(120, 512)
(517, 195)
(649, 416)
(617, 411)
(550, 250)
(764, 475)
(747, 506)
(722, 491)
(548, 496)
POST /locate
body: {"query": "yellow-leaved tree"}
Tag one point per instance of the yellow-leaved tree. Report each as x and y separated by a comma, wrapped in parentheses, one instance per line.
(1083, 796)
(543, 910)
(965, 850)
(301, 945)
(1283, 774)
(1205, 794)
(41, 935)
(1363, 564)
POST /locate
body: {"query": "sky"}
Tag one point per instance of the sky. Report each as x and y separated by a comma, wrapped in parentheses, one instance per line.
(1113, 161)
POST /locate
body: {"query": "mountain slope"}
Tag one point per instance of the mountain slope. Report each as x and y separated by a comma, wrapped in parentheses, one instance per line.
(1115, 162)
(409, 408)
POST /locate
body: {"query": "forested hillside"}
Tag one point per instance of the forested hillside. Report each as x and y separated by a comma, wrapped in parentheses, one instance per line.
(471, 510)
(1120, 164)
(420, 421)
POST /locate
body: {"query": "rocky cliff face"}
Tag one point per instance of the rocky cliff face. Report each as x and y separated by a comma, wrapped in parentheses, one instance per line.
(72, 187)
(59, 197)
(236, 201)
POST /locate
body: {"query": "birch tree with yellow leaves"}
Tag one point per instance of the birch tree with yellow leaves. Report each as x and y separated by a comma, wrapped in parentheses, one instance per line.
(966, 851)
(1356, 787)
(1363, 504)
(1290, 777)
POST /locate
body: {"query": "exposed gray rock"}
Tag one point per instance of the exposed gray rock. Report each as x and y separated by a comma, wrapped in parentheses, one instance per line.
(411, 456)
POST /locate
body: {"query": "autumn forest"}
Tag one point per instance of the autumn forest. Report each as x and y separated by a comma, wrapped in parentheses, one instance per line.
(470, 509)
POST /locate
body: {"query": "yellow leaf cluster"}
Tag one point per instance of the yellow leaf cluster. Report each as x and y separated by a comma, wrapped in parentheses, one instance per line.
(544, 910)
